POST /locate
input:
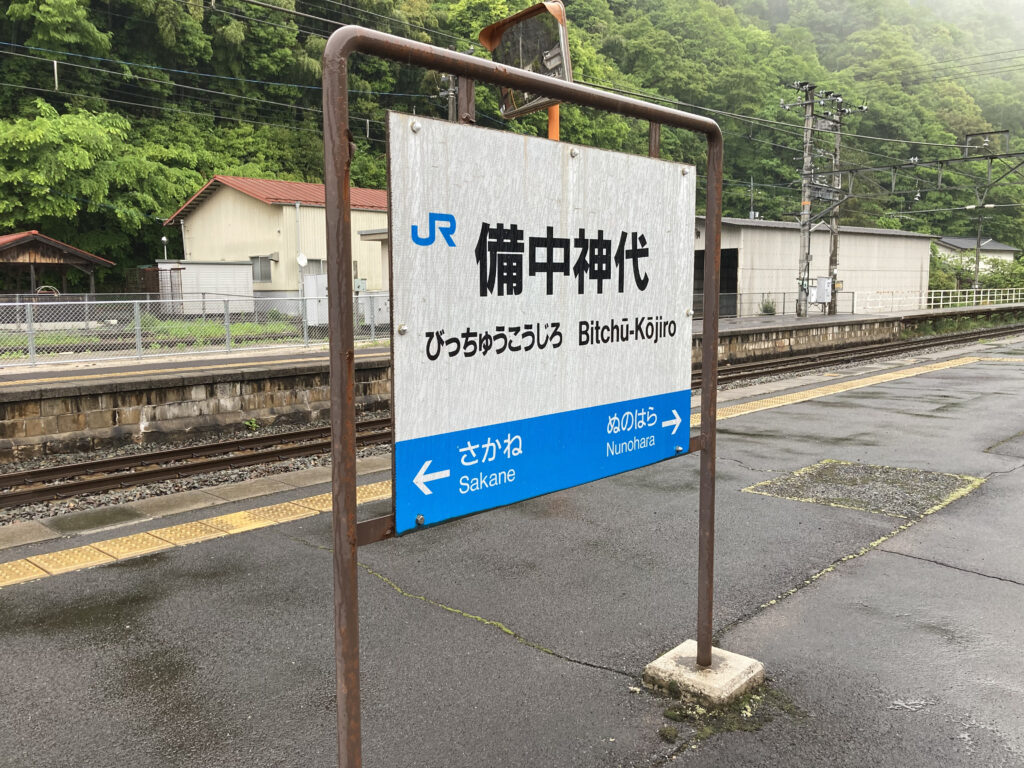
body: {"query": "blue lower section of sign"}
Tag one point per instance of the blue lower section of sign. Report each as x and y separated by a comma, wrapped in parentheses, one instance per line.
(442, 477)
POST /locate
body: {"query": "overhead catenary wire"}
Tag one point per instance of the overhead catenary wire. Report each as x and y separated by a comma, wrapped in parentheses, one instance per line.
(617, 89)
(768, 124)
(959, 208)
(758, 120)
(157, 107)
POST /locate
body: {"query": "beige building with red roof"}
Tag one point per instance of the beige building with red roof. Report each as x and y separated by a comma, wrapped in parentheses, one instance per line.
(268, 223)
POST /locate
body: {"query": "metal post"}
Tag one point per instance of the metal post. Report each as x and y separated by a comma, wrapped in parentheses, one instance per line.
(554, 122)
(837, 183)
(227, 325)
(30, 327)
(338, 191)
(305, 321)
(453, 115)
(466, 96)
(709, 402)
(977, 243)
(373, 322)
(804, 278)
(137, 315)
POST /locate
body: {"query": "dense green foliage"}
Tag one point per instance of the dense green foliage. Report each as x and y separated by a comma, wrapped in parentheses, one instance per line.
(149, 98)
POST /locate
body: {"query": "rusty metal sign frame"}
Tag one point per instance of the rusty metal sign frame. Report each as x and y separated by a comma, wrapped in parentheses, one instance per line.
(348, 535)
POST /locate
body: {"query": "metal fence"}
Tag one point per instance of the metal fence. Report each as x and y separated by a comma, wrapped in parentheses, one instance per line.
(48, 298)
(64, 331)
(766, 304)
(48, 329)
(904, 301)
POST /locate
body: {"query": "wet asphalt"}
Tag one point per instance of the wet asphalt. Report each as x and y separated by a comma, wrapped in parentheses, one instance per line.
(517, 637)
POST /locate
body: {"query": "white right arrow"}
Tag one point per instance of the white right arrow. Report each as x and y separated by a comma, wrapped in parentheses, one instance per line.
(423, 477)
(674, 423)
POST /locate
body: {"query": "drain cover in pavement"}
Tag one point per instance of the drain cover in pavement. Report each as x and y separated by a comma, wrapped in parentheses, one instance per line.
(892, 491)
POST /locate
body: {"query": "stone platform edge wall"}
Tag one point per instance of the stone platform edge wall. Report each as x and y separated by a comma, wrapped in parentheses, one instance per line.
(77, 419)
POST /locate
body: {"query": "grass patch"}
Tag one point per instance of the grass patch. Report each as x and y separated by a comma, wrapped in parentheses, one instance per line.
(946, 325)
(749, 713)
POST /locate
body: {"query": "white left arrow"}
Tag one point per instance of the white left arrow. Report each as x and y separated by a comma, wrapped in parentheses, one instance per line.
(674, 423)
(423, 477)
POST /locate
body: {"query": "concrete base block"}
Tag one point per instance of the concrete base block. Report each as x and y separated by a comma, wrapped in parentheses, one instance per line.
(729, 676)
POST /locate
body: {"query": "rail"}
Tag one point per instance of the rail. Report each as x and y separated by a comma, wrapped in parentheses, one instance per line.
(65, 481)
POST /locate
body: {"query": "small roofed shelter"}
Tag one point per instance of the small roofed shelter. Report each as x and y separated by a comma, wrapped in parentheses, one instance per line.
(31, 258)
(965, 249)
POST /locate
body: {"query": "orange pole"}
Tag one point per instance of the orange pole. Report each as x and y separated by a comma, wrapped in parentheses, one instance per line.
(553, 126)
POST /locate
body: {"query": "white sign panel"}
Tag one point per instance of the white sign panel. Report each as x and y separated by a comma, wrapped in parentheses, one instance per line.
(542, 301)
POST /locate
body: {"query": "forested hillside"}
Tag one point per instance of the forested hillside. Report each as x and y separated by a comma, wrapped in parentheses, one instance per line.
(115, 111)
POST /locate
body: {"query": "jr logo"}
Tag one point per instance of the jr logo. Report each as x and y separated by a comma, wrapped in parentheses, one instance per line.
(437, 222)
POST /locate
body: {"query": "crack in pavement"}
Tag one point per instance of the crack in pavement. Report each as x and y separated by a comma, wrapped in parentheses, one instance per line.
(953, 567)
(876, 544)
(500, 626)
(747, 466)
(505, 629)
(1005, 471)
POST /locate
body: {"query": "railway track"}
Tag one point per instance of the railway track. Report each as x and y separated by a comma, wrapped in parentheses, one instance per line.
(47, 484)
(732, 372)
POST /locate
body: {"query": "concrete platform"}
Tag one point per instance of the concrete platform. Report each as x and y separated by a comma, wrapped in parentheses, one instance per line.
(519, 636)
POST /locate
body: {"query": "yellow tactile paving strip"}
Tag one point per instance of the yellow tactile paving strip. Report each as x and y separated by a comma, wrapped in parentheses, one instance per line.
(237, 522)
(803, 396)
(112, 550)
(188, 533)
(70, 559)
(159, 539)
(132, 546)
(18, 571)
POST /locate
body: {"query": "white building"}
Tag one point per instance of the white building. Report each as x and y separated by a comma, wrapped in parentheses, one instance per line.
(268, 223)
(964, 249)
(762, 258)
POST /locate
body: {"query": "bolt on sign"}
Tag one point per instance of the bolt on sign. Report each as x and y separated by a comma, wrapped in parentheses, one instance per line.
(543, 300)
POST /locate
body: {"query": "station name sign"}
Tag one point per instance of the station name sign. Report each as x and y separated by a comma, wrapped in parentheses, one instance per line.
(542, 297)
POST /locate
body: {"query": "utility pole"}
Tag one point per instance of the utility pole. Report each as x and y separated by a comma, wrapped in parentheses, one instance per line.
(981, 206)
(977, 250)
(810, 189)
(805, 204)
(833, 250)
(461, 95)
(449, 94)
(837, 184)
(804, 273)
